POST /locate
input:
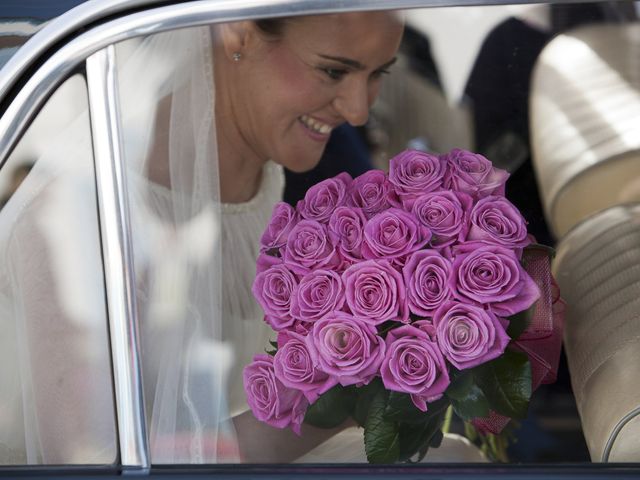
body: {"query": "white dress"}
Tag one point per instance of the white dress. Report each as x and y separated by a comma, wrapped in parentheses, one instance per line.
(243, 326)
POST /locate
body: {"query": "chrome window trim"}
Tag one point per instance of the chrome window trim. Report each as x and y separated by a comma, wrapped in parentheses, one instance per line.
(55, 31)
(118, 259)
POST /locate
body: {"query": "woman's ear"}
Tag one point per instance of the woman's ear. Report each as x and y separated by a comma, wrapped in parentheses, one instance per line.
(236, 37)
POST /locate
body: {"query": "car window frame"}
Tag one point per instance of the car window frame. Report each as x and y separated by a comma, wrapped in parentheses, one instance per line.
(110, 23)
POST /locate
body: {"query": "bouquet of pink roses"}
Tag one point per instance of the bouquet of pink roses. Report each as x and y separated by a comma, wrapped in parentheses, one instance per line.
(395, 297)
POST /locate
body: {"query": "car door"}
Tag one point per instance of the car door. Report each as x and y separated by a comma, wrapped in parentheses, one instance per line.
(92, 358)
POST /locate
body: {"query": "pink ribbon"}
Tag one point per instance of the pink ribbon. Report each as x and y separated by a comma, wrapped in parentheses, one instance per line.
(542, 339)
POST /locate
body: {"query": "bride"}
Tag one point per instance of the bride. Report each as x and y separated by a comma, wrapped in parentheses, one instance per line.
(281, 87)
(209, 118)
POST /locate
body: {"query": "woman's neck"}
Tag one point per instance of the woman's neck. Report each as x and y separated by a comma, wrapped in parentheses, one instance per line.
(240, 174)
(240, 165)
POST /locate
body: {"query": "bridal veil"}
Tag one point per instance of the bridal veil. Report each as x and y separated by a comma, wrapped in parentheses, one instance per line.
(55, 361)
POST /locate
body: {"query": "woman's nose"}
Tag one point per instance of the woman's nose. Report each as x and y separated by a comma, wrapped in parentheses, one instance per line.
(353, 103)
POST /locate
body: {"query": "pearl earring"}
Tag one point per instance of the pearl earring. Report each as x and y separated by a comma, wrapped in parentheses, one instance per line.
(236, 56)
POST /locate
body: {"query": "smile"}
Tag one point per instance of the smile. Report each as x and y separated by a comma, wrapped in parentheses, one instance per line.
(315, 125)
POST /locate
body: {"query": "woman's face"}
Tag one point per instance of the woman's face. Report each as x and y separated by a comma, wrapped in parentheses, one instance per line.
(291, 91)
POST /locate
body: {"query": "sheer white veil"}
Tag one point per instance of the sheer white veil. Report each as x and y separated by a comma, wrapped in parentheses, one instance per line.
(167, 99)
(55, 378)
(55, 388)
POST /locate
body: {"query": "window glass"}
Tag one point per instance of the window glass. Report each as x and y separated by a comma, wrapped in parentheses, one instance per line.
(221, 123)
(56, 396)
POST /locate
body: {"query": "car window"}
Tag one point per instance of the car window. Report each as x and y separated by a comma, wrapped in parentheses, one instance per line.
(55, 373)
(246, 147)
(491, 94)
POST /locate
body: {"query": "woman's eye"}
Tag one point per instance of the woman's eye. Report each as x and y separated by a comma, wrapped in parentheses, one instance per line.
(378, 73)
(334, 73)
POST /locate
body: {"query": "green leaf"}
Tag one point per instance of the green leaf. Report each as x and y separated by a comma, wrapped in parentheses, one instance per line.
(412, 439)
(461, 383)
(350, 398)
(422, 453)
(387, 326)
(474, 405)
(274, 344)
(436, 440)
(467, 399)
(365, 395)
(331, 409)
(381, 435)
(506, 383)
(416, 439)
(519, 322)
(400, 407)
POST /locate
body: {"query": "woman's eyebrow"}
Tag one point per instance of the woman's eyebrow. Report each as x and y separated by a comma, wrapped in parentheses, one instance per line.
(345, 61)
(354, 63)
(388, 64)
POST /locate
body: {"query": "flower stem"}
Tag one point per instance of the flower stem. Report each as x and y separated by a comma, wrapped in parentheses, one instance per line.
(446, 425)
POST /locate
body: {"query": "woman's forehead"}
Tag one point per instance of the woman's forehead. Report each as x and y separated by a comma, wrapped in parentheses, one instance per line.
(364, 20)
(347, 34)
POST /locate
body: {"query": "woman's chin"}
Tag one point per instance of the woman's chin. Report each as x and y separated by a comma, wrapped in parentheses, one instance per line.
(300, 164)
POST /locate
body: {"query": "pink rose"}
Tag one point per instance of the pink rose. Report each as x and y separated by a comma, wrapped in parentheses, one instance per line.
(468, 335)
(283, 219)
(492, 275)
(295, 366)
(318, 293)
(298, 326)
(427, 279)
(496, 220)
(265, 262)
(445, 214)
(370, 192)
(375, 292)
(323, 198)
(414, 364)
(346, 230)
(392, 235)
(427, 327)
(273, 289)
(348, 348)
(309, 247)
(270, 401)
(473, 174)
(413, 173)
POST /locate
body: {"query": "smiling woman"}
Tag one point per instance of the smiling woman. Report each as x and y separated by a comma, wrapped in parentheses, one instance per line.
(206, 137)
(283, 86)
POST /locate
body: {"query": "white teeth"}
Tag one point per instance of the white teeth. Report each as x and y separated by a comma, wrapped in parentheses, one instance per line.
(315, 125)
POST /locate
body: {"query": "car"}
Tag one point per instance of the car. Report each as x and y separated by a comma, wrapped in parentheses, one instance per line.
(92, 363)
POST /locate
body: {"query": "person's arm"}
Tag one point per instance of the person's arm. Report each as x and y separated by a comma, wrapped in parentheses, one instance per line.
(261, 443)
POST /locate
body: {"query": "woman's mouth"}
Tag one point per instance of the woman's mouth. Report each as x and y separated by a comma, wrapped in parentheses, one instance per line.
(315, 126)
